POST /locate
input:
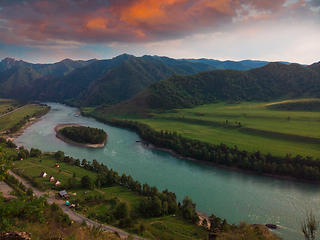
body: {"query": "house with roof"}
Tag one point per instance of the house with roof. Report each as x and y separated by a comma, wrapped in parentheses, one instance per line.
(64, 194)
(57, 183)
(43, 174)
(56, 165)
(51, 178)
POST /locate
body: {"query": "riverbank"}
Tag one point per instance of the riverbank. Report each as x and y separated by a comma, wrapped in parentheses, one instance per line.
(174, 154)
(67, 140)
(12, 136)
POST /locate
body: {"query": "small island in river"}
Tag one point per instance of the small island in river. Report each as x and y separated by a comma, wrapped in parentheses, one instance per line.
(81, 135)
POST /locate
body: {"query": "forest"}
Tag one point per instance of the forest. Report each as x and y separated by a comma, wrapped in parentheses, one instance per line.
(82, 134)
(268, 82)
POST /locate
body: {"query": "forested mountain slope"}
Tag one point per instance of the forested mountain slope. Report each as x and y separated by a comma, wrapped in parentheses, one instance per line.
(15, 74)
(269, 82)
(93, 82)
(105, 81)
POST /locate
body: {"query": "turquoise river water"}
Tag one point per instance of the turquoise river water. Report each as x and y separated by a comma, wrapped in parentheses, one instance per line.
(232, 195)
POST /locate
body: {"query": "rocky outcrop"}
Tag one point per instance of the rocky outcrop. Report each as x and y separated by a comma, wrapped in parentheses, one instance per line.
(15, 235)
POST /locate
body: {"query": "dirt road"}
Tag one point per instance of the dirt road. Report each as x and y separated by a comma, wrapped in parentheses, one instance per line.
(71, 213)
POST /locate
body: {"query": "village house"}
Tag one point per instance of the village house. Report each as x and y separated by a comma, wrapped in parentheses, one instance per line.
(56, 165)
(51, 178)
(57, 183)
(43, 174)
(64, 194)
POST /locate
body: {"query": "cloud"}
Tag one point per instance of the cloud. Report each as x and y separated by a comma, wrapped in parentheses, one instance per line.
(100, 21)
(315, 3)
(183, 26)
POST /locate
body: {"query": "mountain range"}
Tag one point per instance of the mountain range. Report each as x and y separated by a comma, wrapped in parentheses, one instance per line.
(94, 81)
(184, 82)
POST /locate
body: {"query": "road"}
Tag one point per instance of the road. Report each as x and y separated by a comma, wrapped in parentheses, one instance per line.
(71, 213)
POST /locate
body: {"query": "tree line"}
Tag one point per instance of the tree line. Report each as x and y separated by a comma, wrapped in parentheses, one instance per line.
(302, 168)
(155, 203)
(84, 134)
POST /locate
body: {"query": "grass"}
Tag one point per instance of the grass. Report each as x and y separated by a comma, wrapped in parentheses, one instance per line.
(6, 104)
(8, 121)
(167, 227)
(263, 128)
(172, 227)
(34, 166)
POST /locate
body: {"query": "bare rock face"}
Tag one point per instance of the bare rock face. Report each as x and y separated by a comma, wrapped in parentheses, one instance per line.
(15, 235)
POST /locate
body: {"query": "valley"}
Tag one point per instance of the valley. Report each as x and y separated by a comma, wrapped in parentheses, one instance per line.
(263, 120)
(160, 120)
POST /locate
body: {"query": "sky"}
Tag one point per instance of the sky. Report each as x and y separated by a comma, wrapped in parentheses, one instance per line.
(46, 31)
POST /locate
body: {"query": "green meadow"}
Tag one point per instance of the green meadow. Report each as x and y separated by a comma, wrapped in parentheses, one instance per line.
(33, 167)
(262, 126)
(8, 121)
(6, 105)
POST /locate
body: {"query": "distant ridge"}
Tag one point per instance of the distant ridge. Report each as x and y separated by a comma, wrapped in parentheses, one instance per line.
(235, 65)
(55, 69)
(111, 81)
(15, 74)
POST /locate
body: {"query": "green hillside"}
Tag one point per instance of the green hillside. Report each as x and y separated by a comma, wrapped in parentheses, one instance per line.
(16, 77)
(270, 82)
(125, 80)
(105, 81)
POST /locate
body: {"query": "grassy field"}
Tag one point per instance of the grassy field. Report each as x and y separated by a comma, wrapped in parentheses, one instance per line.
(6, 105)
(262, 127)
(6, 122)
(33, 167)
(168, 227)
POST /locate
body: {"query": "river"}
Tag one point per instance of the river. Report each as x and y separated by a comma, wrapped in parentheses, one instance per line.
(231, 195)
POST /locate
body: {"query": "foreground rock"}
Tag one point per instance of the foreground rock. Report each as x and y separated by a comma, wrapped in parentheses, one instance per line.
(15, 235)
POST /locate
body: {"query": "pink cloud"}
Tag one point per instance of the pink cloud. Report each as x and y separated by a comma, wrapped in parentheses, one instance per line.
(97, 21)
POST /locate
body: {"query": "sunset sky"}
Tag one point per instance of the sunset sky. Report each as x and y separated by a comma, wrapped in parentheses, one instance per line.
(50, 30)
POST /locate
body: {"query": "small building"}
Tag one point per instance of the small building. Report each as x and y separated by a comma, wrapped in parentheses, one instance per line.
(51, 178)
(56, 165)
(43, 174)
(57, 183)
(64, 194)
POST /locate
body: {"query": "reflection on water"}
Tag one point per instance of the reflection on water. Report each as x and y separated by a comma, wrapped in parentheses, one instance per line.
(232, 195)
